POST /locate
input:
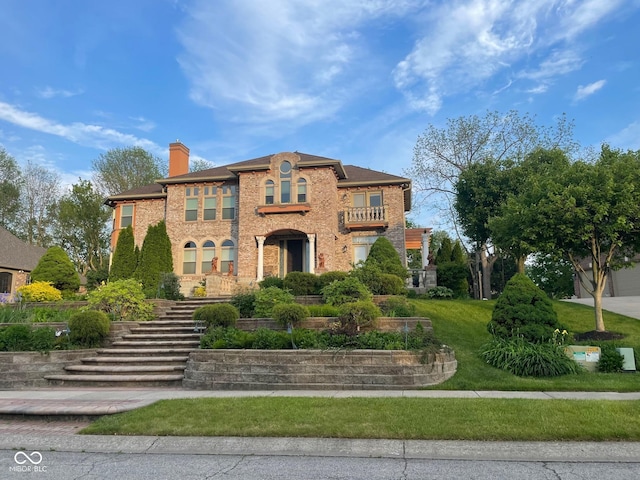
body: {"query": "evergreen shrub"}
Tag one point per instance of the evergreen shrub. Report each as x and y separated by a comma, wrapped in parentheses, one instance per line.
(289, 314)
(217, 315)
(56, 267)
(301, 283)
(267, 298)
(327, 277)
(245, 302)
(89, 328)
(344, 291)
(611, 361)
(271, 282)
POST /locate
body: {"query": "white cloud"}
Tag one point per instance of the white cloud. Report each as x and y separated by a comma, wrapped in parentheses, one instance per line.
(83, 134)
(49, 92)
(628, 138)
(586, 90)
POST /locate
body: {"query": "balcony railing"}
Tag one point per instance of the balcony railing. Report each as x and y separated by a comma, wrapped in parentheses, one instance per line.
(366, 217)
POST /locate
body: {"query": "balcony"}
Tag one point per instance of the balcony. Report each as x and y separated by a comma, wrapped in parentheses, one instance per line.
(366, 218)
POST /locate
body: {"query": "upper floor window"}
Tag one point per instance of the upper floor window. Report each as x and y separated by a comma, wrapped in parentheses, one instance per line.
(302, 190)
(287, 189)
(126, 216)
(269, 192)
(210, 203)
(189, 258)
(191, 204)
(229, 202)
(367, 199)
(285, 182)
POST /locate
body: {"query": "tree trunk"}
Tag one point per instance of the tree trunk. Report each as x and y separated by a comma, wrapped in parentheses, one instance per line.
(597, 308)
(520, 264)
(487, 262)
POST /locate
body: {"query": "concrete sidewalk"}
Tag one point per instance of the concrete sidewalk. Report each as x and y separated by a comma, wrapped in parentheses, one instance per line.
(101, 401)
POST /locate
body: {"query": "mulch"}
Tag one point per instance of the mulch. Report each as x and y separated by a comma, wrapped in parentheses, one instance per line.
(594, 335)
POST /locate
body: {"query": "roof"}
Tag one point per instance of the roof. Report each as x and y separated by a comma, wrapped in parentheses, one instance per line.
(16, 254)
(413, 237)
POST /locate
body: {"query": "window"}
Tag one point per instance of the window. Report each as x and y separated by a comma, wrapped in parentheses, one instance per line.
(285, 182)
(189, 258)
(269, 192)
(208, 254)
(210, 205)
(5, 282)
(302, 190)
(367, 199)
(191, 204)
(126, 216)
(229, 202)
(228, 254)
(361, 247)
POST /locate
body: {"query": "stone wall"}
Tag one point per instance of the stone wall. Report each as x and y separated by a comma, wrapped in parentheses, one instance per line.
(315, 369)
(24, 370)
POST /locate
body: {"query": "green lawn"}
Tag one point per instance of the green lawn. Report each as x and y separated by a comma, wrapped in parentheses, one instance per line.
(461, 324)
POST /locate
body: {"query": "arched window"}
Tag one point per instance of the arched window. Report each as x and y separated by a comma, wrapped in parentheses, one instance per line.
(269, 192)
(189, 258)
(285, 182)
(302, 190)
(208, 254)
(228, 254)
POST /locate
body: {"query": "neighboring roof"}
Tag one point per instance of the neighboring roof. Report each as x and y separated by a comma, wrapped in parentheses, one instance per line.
(155, 190)
(16, 254)
(413, 237)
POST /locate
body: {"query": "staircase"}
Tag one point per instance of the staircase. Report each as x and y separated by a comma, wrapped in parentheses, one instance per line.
(153, 354)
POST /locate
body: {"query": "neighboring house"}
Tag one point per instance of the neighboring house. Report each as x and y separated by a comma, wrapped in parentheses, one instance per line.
(17, 260)
(620, 283)
(266, 217)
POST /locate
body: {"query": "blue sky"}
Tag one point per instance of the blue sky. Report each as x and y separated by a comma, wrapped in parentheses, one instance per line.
(356, 80)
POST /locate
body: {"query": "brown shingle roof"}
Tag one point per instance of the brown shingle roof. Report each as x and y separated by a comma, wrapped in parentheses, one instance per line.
(16, 254)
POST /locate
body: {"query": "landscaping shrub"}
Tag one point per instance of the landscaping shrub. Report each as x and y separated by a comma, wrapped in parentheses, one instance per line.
(43, 339)
(271, 282)
(125, 256)
(610, 359)
(386, 257)
(344, 291)
(89, 328)
(398, 307)
(245, 302)
(267, 298)
(48, 314)
(266, 339)
(524, 310)
(217, 315)
(56, 267)
(301, 283)
(328, 277)
(323, 310)
(412, 294)
(354, 315)
(439, 293)
(15, 338)
(122, 299)
(40, 292)
(226, 337)
(9, 314)
(170, 287)
(391, 284)
(155, 259)
(289, 314)
(526, 359)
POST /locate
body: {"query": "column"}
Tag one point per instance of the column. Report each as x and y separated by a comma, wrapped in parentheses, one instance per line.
(312, 252)
(260, 240)
(425, 249)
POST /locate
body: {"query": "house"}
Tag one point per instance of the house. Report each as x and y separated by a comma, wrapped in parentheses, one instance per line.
(624, 282)
(17, 260)
(239, 223)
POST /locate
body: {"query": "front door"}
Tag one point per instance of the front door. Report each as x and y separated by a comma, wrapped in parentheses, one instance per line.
(291, 256)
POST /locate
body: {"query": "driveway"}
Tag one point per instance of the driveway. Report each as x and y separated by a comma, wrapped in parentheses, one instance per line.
(629, 306)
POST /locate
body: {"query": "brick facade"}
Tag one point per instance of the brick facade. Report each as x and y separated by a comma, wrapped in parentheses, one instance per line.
(289, 232)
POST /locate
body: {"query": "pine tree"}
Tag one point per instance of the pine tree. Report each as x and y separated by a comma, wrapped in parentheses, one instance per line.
(386, 257)
(56, 267)
(125, 260)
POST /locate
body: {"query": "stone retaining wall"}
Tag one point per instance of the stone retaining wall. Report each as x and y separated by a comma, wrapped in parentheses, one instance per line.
(383, 324)
(24, 370)
(315, 369)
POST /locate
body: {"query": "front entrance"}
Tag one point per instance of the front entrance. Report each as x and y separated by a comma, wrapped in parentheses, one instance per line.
(292, 256)
(284, 251)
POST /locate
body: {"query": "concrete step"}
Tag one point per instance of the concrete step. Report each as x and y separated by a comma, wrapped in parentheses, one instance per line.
(114, 360)
(161, 336)
(169, 323)
(165, 330)
(135, 381)
(145, 352)
(157, 343)
(129, 370)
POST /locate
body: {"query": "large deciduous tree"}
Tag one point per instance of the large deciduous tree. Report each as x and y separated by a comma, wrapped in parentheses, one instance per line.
(39, 194)
(441, 154)
(588, 212)
(81, 228)
(121, 169)
(10, 182)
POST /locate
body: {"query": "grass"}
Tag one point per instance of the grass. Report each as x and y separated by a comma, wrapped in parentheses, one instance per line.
(462, 325)
(390, 418)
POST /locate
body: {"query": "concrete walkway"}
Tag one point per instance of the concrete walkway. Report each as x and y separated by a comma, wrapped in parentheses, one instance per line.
(629, 306)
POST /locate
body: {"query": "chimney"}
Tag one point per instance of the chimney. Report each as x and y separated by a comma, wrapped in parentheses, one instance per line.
(178, 159)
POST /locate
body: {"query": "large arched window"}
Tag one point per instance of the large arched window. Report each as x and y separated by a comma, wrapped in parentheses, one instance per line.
(208, 254)
(228, 255)
(189, 258)
(285, 182)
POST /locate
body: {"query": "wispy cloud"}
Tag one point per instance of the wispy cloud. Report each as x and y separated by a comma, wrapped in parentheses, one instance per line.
(627, 138)
(586, 90)
(50, 92)
(81, 133)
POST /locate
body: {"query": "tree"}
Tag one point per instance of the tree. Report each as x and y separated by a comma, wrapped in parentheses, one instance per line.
(200, 164)
(586, 212)
(386, 257)
(155, 259)
(125, 256)
(553, 275)
(81, 227)
(452, 271)
(121, 169)
(10, 183)
(441, 154)
(56, 267)
(39, 194)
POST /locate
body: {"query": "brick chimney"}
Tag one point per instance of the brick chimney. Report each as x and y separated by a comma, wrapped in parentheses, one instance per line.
(178, 159)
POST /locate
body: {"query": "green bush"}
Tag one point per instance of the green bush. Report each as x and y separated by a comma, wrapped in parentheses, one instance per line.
(328, 277)
(271, 282)
(217, 315)
(289, 314)
(15, 338)
(266, 339)
(245, 302)
(398, 307)
(354, 315)
(170, 287)
(9, 314)
(525, 359)
(89, 328)
(301, 283)
(384, 254)
(391, 284)
(610, 359)
(323, 310)
(56, 267)
(40, 292)
(122, 299)
(226, 337)
(523, 310)
(125, 256)
(267, 298)
(43, 339)
(345, 291)
(439, 293)
(155, 259)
